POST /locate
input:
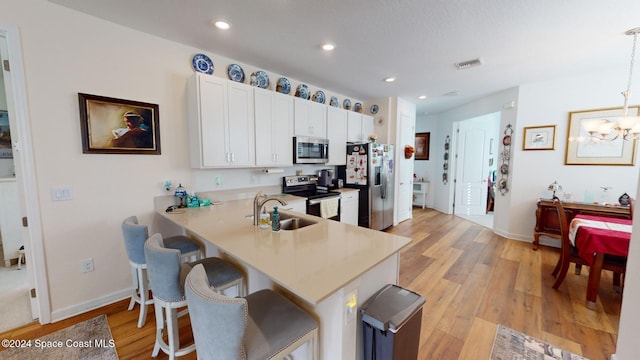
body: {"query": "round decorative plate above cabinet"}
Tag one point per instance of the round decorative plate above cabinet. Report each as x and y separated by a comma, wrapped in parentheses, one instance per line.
(202, 63)
(283, 85)
(235, 73)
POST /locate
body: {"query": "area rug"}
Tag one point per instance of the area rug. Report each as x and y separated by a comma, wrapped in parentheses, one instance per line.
(513, 345)
(90, 339)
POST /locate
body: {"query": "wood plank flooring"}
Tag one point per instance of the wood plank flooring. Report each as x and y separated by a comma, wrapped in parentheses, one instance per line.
(472, 280)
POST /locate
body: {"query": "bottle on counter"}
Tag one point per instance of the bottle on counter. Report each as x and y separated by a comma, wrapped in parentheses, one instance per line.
(264, 219)
(275, 219)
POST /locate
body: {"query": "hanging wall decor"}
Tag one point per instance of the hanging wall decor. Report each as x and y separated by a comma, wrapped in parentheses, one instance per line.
(505, 156)
(445, 167)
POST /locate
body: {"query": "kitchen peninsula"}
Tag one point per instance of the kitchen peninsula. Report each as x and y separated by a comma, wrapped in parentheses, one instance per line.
(328, 268)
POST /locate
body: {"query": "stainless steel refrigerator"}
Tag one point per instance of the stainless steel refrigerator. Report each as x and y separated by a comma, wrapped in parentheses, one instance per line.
(370, 169)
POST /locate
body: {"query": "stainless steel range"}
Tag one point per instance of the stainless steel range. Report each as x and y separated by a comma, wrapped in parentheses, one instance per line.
(321, 201)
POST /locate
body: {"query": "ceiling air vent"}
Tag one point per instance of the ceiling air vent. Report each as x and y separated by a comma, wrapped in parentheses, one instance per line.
(467, 64)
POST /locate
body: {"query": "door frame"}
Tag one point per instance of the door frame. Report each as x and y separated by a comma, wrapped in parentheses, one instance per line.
(19, 115)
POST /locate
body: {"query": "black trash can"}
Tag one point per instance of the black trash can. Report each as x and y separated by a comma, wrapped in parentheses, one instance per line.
(391, 321)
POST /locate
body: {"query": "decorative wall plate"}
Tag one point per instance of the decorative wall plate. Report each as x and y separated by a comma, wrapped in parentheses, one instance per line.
(283, 85)
(303, 92)
(334, 101)
(374, 109)
(319, 97)
(202, 63)
(357, 107)
(260, 79)
(346, 104)
(235, 73)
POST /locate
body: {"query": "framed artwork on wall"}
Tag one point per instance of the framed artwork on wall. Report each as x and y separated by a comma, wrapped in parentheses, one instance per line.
(585, 149)
(6, 151)
(117, 126)
(539, 138)
(422, 146)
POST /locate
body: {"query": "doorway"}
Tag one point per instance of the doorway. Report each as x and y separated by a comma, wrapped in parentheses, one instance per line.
(25, 210)
(476, 160)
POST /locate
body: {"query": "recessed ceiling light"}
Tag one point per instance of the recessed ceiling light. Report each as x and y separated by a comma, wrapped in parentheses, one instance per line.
(422, 97)
(221, 24)
(390, 79)
(328, 47)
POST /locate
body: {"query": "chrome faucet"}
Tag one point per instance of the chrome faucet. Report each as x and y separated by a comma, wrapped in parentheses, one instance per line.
(258, 203)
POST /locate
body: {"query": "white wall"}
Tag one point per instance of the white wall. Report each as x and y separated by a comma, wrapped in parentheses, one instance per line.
(66, 52)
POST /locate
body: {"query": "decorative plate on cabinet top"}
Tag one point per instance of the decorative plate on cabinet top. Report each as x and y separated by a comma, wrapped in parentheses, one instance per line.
(235, 73)
(346, 104)
(357, 107)
(319, 97)
(202, 63)
(283, 85)
(374, 109)
(260, 79)
(303, 92)
(334, 101)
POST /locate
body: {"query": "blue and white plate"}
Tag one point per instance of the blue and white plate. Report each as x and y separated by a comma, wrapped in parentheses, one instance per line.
(334, 101)
(319, 97)
(346, 104)
(283, 85)
(202, 63)
(235, 72)
(357, 107)
(374, 109)
(303, 92)
(260, 79)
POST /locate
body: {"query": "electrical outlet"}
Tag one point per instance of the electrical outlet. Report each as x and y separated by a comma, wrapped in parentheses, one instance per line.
(87, 265)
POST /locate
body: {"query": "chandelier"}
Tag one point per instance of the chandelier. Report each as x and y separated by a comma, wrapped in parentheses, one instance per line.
(625, 127)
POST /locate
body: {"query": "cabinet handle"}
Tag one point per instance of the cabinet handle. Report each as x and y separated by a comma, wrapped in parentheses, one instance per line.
(233, 157)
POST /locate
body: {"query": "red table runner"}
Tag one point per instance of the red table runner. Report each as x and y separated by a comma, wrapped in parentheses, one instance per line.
(591, 240)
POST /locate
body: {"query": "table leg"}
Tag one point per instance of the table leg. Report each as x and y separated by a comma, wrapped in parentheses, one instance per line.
(536, 240)
(594, 281)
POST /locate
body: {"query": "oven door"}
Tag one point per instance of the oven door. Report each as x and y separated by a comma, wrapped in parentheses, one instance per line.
(326, 207)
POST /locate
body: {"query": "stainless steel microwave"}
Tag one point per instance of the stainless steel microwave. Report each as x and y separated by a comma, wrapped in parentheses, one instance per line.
(310, 150)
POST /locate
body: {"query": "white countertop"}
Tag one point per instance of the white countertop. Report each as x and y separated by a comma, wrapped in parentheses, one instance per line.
(312, 262)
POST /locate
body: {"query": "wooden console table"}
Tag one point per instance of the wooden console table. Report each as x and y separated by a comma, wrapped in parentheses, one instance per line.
(547, 217)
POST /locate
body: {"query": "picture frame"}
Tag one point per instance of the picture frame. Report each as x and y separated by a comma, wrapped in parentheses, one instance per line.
(539, 138)
(422, 146)
(117, 126)
(6, 148)
(582, 149)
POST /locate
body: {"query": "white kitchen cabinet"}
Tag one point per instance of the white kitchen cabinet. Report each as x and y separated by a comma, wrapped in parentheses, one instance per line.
(296, 206)
(221, 123)
(337, 135)
(274, 128)
(310, 118)
(349, 207)
(359, 127)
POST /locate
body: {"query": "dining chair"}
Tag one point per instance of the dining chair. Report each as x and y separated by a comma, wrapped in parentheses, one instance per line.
(166, 276)
(135, 235)
(569, 254)
(262, 325)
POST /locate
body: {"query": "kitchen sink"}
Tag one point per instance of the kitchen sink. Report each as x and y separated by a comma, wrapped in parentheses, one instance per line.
(294, 223)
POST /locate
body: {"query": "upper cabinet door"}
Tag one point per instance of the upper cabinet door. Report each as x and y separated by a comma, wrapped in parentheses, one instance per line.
(354, 127)
(337, 135)
(310, 118)
(274, 128)
(368, 127)
(241, 124)
(207, 121)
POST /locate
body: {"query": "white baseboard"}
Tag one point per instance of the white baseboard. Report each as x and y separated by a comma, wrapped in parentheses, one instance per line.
(92, 304)
(613, 357)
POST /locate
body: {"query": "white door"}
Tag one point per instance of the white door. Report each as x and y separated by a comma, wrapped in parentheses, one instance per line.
(405, 168)
(23, 177)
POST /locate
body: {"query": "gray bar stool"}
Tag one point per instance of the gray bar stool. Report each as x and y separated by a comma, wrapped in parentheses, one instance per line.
(263, 325)
(166, 276)
(134, 236)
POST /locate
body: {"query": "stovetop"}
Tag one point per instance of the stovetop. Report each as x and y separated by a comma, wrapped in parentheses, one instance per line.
(305, 186)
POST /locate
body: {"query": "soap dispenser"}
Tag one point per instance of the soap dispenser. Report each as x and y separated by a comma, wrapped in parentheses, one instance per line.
(275, 219)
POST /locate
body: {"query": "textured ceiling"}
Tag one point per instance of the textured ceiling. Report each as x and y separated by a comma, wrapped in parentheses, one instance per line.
(417, 41)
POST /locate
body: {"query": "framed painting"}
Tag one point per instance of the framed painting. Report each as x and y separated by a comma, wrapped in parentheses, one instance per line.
(422, 146)
(117, 126)
(539, 138)
(585, 149)
(5, 136)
